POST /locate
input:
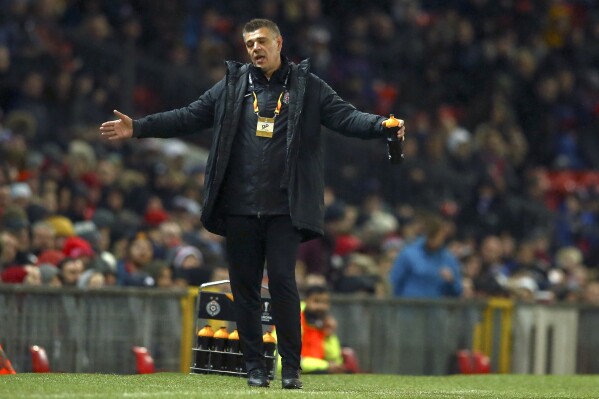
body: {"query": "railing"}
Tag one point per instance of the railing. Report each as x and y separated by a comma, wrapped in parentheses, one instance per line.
(91, 330)
(406, 337)
(587, 360)
(94, 331)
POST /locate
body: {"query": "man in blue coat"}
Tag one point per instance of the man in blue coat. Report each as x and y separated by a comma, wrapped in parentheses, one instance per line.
(426, 268)
(264, 178)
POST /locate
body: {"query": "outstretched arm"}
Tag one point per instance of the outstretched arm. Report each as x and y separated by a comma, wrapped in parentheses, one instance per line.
(196, 116)
(341, 116)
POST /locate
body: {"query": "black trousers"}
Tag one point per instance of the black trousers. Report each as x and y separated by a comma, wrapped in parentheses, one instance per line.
(251, 241)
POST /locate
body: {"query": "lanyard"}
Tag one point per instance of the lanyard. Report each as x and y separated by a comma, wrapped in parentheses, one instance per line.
(279, 105)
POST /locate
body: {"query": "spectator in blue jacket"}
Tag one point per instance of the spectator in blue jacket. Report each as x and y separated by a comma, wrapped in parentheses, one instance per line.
(426, 268)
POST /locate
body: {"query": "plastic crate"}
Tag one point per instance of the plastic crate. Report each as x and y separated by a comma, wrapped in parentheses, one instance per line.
(214, 304)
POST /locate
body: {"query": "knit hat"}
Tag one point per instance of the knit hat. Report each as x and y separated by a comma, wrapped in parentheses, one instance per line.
(103, 218)
(14, 218)
(47, 273)
(37, 212)
(108, 264)
(456, 138)
(347, 244)
(380, 223)
(62, 226)
(76, 247)
(50, 256)
(128, 224)
(88, 231)
(187, 205)
(334, 212)
(20, 190)
(13, 275)
(184, 252)
(155, 217)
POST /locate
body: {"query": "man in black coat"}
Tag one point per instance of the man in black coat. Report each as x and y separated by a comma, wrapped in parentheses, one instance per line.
(264, 178)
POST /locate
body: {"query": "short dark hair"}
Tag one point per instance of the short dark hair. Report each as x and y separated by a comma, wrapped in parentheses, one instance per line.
(432, 224)
(258, 23)
(64, 261)
(316, 290)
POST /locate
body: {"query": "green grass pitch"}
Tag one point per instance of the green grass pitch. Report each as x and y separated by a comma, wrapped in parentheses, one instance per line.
(173, 386)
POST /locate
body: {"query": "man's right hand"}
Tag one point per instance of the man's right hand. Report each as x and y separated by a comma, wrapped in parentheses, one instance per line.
(119, 129)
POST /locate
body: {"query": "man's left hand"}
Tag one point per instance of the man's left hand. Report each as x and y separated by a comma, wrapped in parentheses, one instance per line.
(395, 128)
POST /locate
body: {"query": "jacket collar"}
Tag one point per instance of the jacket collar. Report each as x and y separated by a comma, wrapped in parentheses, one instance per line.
(278, 77)
(236, 69)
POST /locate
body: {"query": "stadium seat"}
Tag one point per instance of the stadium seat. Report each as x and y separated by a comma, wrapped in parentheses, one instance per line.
(350, 360)
(472, 362)
(464, 364)
(143, 360)
(5, 366)
(39, 360)
(482, 363)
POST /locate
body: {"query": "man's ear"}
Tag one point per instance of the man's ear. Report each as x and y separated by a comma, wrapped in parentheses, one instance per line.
(280, 42)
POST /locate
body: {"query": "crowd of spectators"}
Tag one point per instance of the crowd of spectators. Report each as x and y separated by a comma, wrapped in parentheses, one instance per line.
(501, 100)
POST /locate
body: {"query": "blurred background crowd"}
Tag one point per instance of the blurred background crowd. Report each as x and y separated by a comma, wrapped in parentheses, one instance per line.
(501, 100)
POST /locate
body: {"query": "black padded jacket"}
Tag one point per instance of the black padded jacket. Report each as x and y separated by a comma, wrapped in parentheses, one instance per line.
(312, 104)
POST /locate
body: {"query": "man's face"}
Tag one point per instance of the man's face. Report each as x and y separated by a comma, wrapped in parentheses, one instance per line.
(9, 247)
(317, 309)
(318, 303)
(42, 238)
(437, 240)
(141, 252)
(191, 262)
(264, 48)
(71, 271)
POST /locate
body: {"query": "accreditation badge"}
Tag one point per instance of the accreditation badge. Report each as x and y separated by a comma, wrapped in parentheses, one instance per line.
(265, 127)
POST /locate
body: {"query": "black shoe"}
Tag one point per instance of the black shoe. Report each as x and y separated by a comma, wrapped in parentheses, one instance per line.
(291, 379)
(258, 378)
